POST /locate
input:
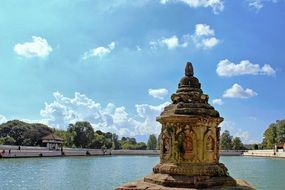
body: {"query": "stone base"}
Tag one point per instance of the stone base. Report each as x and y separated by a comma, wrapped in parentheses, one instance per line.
(196, 169)
(189, 181)
(142, 185)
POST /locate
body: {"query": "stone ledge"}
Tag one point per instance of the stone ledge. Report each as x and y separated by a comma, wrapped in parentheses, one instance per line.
(141, 185)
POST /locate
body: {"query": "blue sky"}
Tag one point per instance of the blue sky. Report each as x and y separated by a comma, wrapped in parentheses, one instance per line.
(116, 63)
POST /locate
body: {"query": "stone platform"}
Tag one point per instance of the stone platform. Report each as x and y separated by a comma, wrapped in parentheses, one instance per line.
(141, 185)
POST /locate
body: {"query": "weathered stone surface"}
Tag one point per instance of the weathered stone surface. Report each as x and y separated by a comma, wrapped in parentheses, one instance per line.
(189, 143)
(190, 139)
(142, 185)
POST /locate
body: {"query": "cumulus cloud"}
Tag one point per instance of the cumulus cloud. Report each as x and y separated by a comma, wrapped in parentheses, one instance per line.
(216, 5)
(147, 124)
(99, 51)
(204, 36)
(204, 30)
(245, 67)
(159, 93)
(237, 132)
(39, 47)
(170, 42)
(218, 101)
(64, 110)
(237, 91)
(2, 119)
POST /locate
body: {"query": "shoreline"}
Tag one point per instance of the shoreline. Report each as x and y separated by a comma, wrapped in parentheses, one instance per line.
(268, 153)
(32, 152)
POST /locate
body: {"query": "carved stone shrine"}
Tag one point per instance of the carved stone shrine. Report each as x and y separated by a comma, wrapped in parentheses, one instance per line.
(189, 144)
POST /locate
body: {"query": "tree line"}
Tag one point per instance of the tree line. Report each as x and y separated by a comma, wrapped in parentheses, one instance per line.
(274, 135)
(82, 134)
(78, 135)
(227, 142)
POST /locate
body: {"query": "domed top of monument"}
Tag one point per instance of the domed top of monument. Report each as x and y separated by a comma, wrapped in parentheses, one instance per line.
(189, 81)
(189, 98)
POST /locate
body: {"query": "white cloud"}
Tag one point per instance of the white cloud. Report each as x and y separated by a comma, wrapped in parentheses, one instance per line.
(227, 125)
(244, 135)
(237, 91)
(158, 93)
(209, 42)
(148, 114)
(39, 47)
(218, 101)
(2, 119)
(138, 48)
(170, 42)
(245, 67)
(256, 4)
(99, 51)
(163, 1)
(204, 30)
(63, 111)
(259, 4)
(216, 5)
(204, 37)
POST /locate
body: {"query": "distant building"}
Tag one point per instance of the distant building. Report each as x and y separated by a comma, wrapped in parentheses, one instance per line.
(280, 147)
(52, 141)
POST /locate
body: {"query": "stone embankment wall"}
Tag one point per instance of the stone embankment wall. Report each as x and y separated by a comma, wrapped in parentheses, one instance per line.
(135, 152)
(266, 153)
(231, 152)
(31, 151)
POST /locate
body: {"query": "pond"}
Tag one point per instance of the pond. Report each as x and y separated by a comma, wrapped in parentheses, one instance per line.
(108, 172)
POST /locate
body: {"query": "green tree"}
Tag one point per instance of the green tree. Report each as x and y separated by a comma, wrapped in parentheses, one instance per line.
(255, 146)
(226, 141)
(280, 131)
(269, 137)
(141, 146)
(35, 134)
(274, 134)
(115, 142)
(7, 140)
(237, 144)
(24, 133)
(98, 141)
(152, 142)
(84, 133)
(68, 137)
(158, 142)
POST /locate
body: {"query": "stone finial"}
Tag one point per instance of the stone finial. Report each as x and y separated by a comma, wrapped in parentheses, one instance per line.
(189, 69)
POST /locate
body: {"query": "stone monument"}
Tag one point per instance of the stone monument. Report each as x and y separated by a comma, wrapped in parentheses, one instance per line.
(189, 144)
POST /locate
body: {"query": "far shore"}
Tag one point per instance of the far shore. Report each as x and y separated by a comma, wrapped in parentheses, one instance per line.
(33, 151)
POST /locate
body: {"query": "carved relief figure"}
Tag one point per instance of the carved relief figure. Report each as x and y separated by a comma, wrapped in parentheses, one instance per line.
(166, 144)
(187, 144)
(210, 144)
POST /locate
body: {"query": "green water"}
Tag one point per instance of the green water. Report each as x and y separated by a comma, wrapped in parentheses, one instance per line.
(106, 173)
